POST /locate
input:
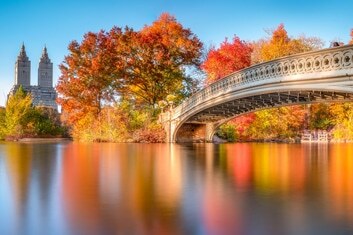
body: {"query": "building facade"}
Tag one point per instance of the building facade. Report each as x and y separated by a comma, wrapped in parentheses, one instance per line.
(44, 93)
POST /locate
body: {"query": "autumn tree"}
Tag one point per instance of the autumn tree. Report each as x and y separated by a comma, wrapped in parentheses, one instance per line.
(140, 67)
(18, 107)
(227, 132)
(143, 66)
(20, 118)
(242, 123)
(277, 123)
(158, 57)
(277, 46)
(351, 41)
(343, 120)
(228, 58)
(88, 74)
(256, 56)
(2, 122)
(280, 44)
(320, 117)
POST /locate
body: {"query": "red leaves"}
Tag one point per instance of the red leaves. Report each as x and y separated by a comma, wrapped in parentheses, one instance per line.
(85, 79)
(228, 58)
(242, 123)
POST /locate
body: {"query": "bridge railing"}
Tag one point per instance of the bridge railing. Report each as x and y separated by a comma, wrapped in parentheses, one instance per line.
(336, 58)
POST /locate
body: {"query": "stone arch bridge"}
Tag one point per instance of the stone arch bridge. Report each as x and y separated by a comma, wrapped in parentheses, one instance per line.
(317, 76)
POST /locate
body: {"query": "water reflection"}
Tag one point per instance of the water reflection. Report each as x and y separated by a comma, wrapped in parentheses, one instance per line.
(176, 189)
(126, 188)
(30, 171)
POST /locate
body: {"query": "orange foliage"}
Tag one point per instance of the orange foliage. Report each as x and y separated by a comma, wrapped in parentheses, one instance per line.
(150, 134)
(280, 44)
(159, 55)
(351, 41)
(228, 58)
(143, 67)
(86, 77)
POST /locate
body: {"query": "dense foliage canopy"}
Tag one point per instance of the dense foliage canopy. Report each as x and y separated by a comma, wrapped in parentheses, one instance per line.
(228, 58)
(143, 67)
(21, 119)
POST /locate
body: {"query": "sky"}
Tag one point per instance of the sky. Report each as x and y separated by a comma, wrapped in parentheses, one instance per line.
(54, 23)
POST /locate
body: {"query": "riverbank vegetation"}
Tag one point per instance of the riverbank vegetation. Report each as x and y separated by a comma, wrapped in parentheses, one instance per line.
(21, 119)
(115, 83)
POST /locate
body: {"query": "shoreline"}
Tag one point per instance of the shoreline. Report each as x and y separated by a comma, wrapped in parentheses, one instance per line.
(216, 141)
(43, 140)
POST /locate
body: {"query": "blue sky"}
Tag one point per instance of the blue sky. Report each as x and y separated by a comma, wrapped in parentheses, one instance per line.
(56, 23)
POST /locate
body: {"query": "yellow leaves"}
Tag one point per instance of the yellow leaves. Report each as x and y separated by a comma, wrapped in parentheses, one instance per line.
(17, 107)
(277, 123)
(109, 126)
(343, 118)
(280, 45)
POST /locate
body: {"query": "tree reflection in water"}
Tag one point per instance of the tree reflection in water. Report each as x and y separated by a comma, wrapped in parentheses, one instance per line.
(245, 188)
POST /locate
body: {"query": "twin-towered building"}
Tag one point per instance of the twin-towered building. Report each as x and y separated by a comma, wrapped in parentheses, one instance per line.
(44, 93)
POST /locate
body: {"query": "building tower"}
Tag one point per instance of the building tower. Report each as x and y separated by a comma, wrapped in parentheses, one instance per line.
(44, 93)
(23, 69)
(45, 70)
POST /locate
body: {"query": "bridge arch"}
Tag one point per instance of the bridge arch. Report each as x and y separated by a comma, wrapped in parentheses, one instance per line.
(313, 77)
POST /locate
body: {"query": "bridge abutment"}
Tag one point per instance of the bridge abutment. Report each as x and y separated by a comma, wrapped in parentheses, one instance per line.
(210, 130)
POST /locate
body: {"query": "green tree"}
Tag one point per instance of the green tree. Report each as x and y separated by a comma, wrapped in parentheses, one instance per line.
(227, 132)
(44, 121)
(16, 114)
(320, 117)
(20, 118)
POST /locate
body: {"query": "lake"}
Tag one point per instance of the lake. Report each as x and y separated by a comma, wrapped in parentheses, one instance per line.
(242, 188)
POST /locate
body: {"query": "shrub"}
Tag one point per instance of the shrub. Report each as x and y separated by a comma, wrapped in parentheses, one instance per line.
(153, 133)
(227, 132)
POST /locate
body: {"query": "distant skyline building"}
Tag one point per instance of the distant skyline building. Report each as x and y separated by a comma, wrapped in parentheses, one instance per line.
(45, 70)
(44, 93)
(23, 68)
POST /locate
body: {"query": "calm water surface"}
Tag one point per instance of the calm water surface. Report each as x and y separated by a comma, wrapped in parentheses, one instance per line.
(70, 188)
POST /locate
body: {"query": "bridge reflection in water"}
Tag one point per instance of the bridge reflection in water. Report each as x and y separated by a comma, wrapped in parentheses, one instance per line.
(311, 77)
(176, 189)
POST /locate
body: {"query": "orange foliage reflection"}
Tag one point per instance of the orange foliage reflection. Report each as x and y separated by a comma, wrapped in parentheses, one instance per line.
(125, 188)
(182, 189)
